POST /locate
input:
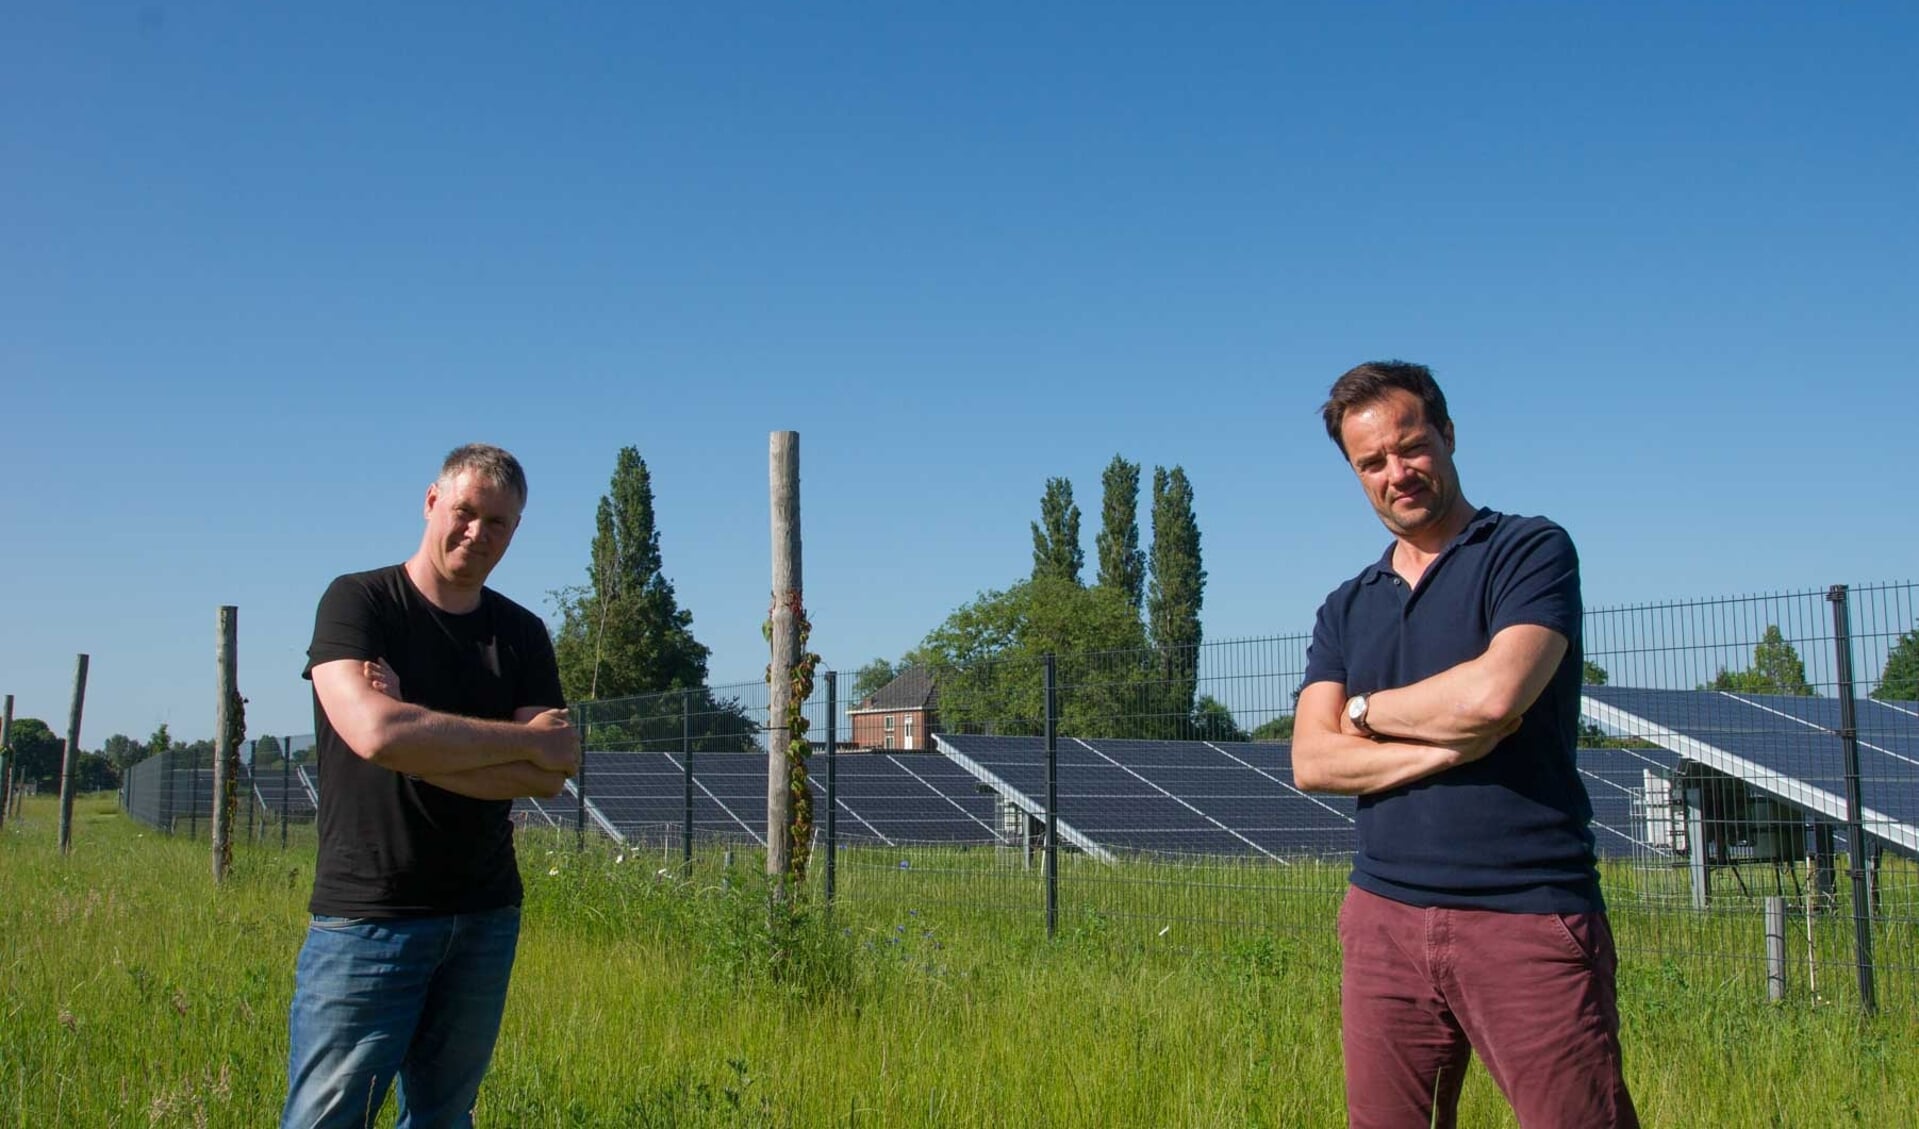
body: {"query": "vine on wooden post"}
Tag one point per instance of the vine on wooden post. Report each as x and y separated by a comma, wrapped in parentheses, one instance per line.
(229, 801)
(800, 831)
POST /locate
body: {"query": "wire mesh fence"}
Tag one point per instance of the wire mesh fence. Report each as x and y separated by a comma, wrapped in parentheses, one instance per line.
(278, 789)
(1752, 762)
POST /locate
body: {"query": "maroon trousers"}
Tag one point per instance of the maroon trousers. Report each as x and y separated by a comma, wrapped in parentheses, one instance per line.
(1532, 993)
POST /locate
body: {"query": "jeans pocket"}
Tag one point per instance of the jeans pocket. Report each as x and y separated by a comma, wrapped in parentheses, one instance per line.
(1577, 931)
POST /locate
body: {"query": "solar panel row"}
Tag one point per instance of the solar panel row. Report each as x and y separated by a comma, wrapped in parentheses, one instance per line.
(1229, 798)
(1789, 749)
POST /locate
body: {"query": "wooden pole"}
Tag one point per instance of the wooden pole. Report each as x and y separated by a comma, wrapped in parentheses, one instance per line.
(6, 759)
(70, 758)
(226, 743)
(784, 480)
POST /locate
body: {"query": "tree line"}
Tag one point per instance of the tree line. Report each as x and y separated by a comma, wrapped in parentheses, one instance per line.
(1127, 645)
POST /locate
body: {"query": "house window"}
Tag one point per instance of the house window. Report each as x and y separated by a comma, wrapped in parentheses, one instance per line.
(906, 726)
(889, 736)
(889, 723)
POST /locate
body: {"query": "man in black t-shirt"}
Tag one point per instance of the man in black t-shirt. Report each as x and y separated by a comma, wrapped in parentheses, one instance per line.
(436, 702)
(1442, 689)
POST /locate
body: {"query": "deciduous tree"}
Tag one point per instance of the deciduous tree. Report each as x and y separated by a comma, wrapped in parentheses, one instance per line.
(36, 752)
(986, 661)
(870, 678)
(1899, 682)
(1212, 721)
(1776, 669)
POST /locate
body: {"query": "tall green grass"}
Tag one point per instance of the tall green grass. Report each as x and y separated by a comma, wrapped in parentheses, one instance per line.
(133, 993)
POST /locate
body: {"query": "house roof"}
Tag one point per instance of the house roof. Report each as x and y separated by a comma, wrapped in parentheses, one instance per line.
(913, 689)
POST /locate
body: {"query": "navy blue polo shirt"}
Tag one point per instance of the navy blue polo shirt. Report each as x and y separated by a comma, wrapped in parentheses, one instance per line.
(1508, 831)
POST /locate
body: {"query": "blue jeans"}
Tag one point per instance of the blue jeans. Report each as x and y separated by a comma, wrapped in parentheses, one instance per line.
(417, 997)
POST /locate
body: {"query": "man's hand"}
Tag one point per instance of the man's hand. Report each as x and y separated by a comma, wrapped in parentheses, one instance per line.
(556, 742)
(382, 678)
(1471, 749)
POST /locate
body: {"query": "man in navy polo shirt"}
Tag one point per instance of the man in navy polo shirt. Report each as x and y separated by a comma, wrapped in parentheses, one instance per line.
(1442, 689)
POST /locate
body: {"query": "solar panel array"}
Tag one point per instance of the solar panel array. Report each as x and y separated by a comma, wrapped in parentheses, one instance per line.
(277, 792)
(881, 798)
(1788, 747)
(1225, 798)
(1187, 797)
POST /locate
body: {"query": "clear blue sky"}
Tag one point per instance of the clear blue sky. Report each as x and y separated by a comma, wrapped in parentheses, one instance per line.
(261, 266)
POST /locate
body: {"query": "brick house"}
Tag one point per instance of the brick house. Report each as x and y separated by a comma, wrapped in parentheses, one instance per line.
(899, 715)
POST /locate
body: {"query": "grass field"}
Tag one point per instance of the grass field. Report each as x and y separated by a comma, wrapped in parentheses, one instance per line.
(132, 993)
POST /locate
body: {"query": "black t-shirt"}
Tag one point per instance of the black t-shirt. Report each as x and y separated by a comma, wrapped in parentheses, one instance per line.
(392, 845)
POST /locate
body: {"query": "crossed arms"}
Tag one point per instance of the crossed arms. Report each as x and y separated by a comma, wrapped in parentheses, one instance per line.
(1452, 718)
(532, 755)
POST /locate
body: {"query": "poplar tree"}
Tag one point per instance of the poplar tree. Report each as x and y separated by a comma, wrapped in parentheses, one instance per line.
(1122, 566)
(1174, 596)
(623, 632)
(1056, 551)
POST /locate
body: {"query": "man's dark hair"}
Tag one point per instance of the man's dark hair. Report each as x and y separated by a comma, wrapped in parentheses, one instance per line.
(1366, 383)
(489, 462)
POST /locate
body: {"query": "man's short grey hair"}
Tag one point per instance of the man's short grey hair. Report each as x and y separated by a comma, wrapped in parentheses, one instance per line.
(494, 464)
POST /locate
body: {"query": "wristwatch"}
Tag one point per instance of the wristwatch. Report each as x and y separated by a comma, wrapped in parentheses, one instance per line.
(1356, 713)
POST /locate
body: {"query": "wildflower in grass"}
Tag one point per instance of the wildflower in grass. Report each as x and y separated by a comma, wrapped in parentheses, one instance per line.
(553, 872)
(68, 1020)
(618, 859)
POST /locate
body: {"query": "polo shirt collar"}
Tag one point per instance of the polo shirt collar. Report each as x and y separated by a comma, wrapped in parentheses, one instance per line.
(1482, 523)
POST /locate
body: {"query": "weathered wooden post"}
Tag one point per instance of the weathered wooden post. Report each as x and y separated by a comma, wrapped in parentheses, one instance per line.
(1775, 949)
(253, 767)
(228, 729)
(70, 757)
(6, 759)
(784, 480)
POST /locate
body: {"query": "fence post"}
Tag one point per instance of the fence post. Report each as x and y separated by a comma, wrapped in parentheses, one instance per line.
(1775, 949)
(686, 783)
(1855, 826)
(70, 759)
(286, 785)
(253, 789)
(832, 783)
(6, 759)
(579, 788)
(1697, 864)
(168, 787)
(1052, 798)
(226, 747)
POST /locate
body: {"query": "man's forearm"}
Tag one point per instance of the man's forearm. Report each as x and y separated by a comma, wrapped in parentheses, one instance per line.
(501, 781)
(421, 742)
(1358, 766)
(1446, 707)
(1475, 699)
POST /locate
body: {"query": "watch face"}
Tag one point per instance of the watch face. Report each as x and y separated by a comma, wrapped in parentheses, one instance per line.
(1356, 708)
